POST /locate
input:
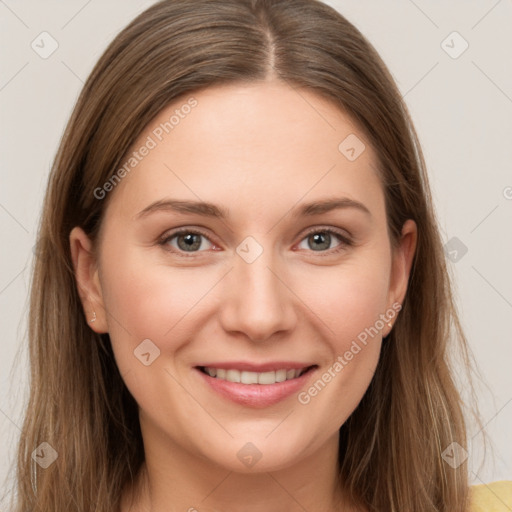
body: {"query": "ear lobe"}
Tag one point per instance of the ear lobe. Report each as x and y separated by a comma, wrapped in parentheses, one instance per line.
(403, 256)
(87, 280)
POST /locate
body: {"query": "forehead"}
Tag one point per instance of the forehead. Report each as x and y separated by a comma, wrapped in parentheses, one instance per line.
(255, 146)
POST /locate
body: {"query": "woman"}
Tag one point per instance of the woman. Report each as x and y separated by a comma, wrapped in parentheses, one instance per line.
(241, 300)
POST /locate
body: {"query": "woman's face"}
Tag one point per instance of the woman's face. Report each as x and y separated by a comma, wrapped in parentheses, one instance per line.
(288, 269)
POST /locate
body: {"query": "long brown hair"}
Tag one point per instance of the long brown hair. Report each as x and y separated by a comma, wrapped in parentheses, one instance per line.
(391, 447)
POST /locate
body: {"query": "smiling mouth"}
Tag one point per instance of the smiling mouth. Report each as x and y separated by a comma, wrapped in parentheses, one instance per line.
(246, 377)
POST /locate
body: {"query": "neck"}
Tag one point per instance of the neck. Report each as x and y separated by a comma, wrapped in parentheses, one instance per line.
(185, 482)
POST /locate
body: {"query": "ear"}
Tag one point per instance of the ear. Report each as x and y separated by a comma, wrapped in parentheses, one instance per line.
(403, 256)
(87, 280)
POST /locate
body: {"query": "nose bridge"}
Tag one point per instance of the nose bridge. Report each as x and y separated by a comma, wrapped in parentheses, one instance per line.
(258, 302)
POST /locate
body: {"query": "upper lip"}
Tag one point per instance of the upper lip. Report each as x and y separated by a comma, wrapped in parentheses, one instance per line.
(258, 368)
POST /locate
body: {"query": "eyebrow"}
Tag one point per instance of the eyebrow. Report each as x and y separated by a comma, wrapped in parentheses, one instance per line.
(211, 210)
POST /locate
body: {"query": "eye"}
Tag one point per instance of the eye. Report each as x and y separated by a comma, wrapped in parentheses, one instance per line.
(320, 240)
(185, 240)
(191, 241)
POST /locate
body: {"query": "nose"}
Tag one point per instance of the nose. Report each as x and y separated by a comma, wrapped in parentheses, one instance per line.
(258, 302)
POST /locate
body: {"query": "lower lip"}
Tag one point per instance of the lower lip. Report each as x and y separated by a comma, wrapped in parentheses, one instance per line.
(256, 395)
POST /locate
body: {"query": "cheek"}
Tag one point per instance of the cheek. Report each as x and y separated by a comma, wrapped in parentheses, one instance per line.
(149, 301)
(351, 302)
(349, 298)
(152, 302)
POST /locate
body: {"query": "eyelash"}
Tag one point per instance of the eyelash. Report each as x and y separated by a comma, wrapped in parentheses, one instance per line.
(343, 238)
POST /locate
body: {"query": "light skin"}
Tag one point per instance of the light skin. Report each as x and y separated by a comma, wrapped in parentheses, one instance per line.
(259, 151)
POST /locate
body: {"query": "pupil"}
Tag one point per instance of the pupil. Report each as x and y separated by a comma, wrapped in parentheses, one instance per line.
(191, 241)
(323, 239)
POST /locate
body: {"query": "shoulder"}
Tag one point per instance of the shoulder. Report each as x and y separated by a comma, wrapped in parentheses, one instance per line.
(493, 497)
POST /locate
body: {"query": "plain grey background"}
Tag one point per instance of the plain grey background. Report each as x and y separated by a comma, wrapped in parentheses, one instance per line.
(458, 87)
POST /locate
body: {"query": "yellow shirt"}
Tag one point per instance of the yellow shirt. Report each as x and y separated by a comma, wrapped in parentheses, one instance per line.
(494, 497)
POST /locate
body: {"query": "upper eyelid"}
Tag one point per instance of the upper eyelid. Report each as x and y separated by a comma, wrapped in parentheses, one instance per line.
(336, 231)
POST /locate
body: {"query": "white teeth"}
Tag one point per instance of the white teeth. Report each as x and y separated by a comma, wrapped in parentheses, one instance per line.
(280, 375)
(248, 377)
(253, 377)
(233, 376)
(267, 378)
